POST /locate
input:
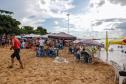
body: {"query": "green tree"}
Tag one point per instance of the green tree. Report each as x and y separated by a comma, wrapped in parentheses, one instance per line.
(40, 30)
(27, 30)
(9, 25)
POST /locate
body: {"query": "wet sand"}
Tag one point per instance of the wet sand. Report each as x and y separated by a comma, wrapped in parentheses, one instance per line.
(42, 70)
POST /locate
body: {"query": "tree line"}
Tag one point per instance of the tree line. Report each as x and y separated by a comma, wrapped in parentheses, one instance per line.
(9, 25)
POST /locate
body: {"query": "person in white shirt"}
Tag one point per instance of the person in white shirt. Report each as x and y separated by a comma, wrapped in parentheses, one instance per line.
(41, 42)
(41, 47)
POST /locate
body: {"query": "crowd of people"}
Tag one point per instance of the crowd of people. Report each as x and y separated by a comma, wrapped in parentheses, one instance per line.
(43, 47)
(5, 40)
(83, 52)
(50, 47)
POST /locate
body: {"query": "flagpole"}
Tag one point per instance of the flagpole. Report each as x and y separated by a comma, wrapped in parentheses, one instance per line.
(107, 46)
(107, 56)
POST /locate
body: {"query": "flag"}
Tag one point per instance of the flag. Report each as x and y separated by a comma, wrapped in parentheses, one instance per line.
(107, 46)
(124, 40)
(107, 42)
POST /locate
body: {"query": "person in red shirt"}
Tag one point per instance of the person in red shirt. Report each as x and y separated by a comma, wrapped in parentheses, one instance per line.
(16, 47)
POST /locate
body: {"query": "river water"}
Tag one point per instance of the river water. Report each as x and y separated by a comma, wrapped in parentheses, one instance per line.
(116, 55)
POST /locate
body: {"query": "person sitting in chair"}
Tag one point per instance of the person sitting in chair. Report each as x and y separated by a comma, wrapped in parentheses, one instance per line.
(85, 56)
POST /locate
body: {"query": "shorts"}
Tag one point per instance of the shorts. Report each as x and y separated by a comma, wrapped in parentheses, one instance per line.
(16, 54)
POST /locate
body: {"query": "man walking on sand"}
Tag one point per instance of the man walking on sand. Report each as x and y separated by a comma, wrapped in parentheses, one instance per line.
(16, 47)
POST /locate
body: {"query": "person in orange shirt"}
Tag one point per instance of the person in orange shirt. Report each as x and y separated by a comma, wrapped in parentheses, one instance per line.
(16, 47)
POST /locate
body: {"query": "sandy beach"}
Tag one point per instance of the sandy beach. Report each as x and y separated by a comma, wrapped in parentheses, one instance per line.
(42, 70)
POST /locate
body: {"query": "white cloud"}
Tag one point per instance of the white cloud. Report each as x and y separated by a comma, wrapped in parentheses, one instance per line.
(83, 21)
(56, 22)
(108, 11)
(59, 29)
(36, 12)
(32, 22)
(43, 9)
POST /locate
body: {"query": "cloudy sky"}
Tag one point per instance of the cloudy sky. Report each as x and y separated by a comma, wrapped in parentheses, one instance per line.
(87, 17)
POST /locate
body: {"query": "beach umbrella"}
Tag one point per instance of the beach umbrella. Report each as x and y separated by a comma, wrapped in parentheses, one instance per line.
(62, 35)
(31, 35)
(45, 36)
(77, 41)
(90, 42)
(26, 36)
(18, 36)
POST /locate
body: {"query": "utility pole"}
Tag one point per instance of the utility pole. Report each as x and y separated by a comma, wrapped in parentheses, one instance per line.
(68, 21)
